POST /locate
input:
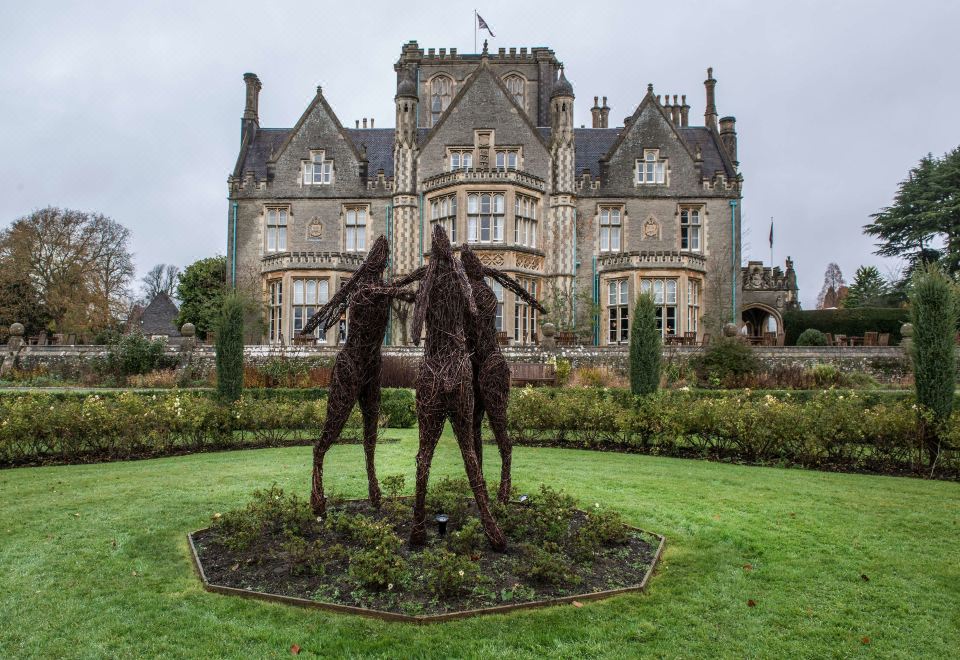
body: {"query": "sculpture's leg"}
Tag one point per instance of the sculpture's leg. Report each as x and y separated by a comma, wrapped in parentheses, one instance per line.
(495, 387)
(340, 400)
(461, 418)
(370, 407)
(431, 426)
(478, 410)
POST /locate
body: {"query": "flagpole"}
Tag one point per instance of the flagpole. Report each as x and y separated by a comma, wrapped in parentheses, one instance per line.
(474, 30)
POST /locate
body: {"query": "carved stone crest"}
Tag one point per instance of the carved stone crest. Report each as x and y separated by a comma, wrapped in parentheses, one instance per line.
(315, 229)
(651, 228)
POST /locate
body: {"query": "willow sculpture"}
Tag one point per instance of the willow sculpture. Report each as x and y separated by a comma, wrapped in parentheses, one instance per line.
(491, 373)
(445, 380)
(356, 372)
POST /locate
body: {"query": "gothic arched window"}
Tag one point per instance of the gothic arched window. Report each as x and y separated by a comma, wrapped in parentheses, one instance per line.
(517, 87)
(441, 91)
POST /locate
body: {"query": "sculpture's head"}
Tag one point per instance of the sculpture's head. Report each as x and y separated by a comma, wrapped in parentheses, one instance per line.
(471, 263)
(377, 257)
(440, 244)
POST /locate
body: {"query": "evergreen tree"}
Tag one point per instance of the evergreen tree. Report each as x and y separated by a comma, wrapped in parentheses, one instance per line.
(869, 289)
(934, 313)
(645, 352)
(230, 349)
(925, 213)
(201, 289)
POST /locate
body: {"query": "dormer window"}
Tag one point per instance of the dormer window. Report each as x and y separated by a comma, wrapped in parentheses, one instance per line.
(461, 159)
(318, 171)
(650, 169)
(508, 158)
(441, 91)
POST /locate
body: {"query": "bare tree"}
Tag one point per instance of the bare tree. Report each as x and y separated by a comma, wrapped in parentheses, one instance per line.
(830, 295)
(78, 265)
(162, 278)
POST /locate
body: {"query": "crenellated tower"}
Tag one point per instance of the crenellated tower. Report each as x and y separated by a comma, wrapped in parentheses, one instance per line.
(405, 231)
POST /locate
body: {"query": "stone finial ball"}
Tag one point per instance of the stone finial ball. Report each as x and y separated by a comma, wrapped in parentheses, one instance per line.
(17, 329)
(729, 330)
(188, 330)
(548, 329)
(906, 330)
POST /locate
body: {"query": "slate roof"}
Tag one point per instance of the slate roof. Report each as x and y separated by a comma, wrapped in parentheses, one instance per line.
(712, 160)
(158, 318)
(592, 144)
(379, 142)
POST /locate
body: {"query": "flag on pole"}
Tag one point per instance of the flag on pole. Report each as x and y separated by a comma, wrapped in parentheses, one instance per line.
(482, 25)
(771, 233)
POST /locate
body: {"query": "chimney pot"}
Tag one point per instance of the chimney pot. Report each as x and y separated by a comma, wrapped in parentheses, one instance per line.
(358, 123)
(364, 122)
(371, 122)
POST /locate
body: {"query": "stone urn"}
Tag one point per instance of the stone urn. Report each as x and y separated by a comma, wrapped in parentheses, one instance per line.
(16, 336)
(906, 332)
(548, 331)
(729, 329)
(188, 332)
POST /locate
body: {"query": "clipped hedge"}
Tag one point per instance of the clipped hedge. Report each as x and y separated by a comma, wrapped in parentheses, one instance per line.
(66, 427)
(851, 322)
(827, 429)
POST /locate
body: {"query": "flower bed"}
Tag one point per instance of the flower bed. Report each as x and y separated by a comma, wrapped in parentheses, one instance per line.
(357, 559)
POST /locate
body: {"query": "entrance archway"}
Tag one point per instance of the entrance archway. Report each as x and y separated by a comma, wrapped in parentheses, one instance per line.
(761, 322)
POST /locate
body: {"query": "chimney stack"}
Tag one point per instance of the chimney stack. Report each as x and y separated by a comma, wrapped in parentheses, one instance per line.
(675, 111)
(364, 122)
(595, 112)
(251, 112)
(604, 114)
(371, 122)
(684, 111)
(728, 136)
(358, 123)
(710, 114)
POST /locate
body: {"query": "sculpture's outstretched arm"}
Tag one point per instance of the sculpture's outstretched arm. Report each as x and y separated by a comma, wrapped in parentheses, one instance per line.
(510, 283)
(409, 278)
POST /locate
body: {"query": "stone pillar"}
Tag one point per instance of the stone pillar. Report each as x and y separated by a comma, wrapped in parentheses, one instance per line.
(189, 342)
(14, 344)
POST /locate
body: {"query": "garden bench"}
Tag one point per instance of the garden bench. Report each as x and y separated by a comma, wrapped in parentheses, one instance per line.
(526, 373)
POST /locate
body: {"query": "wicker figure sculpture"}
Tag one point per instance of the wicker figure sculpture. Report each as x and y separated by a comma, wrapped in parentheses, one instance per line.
(491, 374)
(445, 380)
(356, 372)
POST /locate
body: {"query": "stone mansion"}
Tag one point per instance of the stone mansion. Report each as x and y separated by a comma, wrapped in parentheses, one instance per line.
(485, 144)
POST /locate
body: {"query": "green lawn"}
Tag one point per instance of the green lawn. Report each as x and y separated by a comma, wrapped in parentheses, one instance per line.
(93, 562)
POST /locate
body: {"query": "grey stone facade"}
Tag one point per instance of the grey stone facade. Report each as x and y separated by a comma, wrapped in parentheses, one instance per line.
(676, 216)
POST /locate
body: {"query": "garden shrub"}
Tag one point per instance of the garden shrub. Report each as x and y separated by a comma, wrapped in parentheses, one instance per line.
(380, 566)
(399, 406)
(645, 350)
(812, 337)
(469, 539)
(725, 357)
(448, 573)
(452, 497)
(270, 512)
(133, 354)
(544, 563)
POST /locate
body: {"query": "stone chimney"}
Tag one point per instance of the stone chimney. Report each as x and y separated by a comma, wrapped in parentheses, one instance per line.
(595, 112)
(675, 111)
(728, 136)
(684, 111)
(604, 114)
(710, 114)
(371, 122)
(251, 112)
(364, 122)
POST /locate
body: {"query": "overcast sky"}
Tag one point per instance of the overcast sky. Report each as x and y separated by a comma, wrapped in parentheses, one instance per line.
(133, 109)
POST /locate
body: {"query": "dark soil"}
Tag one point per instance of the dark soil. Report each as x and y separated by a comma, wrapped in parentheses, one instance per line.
(267, 567)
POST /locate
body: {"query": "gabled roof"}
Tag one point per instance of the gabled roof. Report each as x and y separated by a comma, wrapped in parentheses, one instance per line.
(159, 317)
(649, 100)
(484, 68)
(318, 100)
(714, 157)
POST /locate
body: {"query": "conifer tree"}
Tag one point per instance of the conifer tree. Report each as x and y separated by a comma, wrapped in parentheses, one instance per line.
(934, 311)
(230, 349)
(645, 355)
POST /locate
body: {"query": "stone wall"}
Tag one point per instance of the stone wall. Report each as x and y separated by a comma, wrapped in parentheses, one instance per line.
(885, 363)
